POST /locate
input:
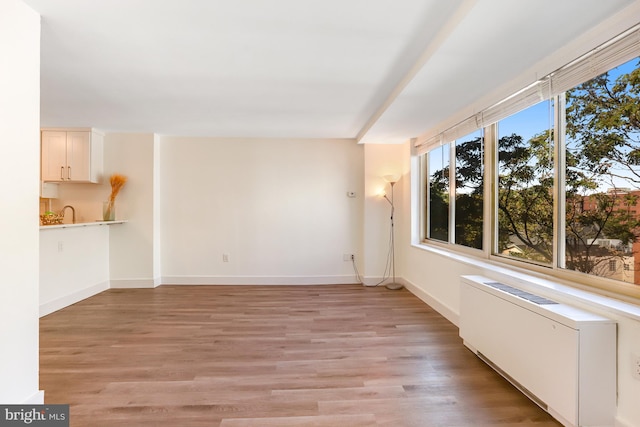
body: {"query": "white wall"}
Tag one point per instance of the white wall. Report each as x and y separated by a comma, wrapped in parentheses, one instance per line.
(19, 142)
(131, 249)
(208, 197)
(157, 213)
(278, 208)
(381, 160)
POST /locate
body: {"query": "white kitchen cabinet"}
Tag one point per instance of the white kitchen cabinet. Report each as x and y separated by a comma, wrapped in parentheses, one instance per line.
(70, 155)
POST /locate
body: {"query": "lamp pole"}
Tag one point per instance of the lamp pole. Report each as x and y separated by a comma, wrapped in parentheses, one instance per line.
(393, 285)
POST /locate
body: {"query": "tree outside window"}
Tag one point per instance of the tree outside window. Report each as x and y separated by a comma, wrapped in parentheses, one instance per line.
(467, 207)
(525, 185)
(469, 190)
(603, 174)
(438, 191)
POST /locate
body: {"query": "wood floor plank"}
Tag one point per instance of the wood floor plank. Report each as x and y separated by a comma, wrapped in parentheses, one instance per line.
(229, 356)
(361, 420)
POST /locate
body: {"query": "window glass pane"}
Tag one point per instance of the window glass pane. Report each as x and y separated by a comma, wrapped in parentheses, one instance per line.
(525, 185)
(439, 193)
(603, 175)
(469, 190)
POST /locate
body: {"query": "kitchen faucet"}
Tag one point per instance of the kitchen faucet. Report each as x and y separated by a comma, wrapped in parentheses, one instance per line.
(73, 212)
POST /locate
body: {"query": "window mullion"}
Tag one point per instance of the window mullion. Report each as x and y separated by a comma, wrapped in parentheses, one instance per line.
(424, 196)
(560, 166)
(452, 192)
(490, 213)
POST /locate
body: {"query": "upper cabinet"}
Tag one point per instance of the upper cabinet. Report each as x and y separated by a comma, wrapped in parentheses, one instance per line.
(71, 155)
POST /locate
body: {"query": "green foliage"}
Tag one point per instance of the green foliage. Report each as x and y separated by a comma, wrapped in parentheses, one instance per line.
(469, 192)
(603, 125)
(439, 210)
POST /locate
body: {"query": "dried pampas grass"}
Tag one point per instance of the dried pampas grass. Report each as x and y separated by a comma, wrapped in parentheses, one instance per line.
(117, 181)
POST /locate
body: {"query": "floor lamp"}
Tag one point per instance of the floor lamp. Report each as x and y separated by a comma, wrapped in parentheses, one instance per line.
(392, 179)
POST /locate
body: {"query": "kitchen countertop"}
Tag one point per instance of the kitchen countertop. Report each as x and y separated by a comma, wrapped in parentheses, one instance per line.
(82, 224)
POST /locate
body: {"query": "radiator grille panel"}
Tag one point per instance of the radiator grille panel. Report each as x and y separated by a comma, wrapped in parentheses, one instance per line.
(520, 293)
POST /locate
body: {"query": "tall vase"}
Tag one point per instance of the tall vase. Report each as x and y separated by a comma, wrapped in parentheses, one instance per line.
(109, 210)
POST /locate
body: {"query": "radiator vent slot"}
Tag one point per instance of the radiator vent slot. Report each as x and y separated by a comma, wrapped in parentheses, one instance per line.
(536, 299)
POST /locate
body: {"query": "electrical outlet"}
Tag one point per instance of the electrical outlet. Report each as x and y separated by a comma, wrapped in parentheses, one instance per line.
(225, 257)
(635, 366)
(347, 257)
(60, 247)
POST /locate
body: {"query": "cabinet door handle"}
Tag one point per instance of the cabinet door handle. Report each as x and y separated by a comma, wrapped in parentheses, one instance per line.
(69, 172)
(61, 173)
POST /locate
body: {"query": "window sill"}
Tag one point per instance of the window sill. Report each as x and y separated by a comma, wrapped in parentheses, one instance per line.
(546, 285)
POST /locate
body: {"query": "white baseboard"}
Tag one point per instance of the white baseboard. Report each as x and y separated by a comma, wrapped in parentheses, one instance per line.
(35, 399)
(371, 281)
(622, 423)
(258, 280)
(132, 283)
(72, 298)
(434, 303)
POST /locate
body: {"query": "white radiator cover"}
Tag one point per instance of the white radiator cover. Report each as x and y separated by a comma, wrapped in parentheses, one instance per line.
(562, 357)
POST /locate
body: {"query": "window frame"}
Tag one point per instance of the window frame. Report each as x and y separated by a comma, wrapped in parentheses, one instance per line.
(425, 197)
(612, 54)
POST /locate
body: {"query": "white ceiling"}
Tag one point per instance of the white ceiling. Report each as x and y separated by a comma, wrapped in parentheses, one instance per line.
(376, 70)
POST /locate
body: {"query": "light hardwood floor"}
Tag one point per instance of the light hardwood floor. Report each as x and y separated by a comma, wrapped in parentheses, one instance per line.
(266, 356)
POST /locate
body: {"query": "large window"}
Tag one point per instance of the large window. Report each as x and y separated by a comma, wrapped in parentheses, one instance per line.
(564, 157)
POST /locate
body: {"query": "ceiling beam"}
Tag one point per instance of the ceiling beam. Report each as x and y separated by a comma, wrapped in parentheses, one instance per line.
(445, 31)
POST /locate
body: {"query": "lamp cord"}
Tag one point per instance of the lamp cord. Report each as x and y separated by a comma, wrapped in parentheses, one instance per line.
(389, 268)
(355, 269)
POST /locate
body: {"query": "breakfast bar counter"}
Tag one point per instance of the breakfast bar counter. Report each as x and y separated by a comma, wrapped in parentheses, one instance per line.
(81, 224)
(74, 263)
